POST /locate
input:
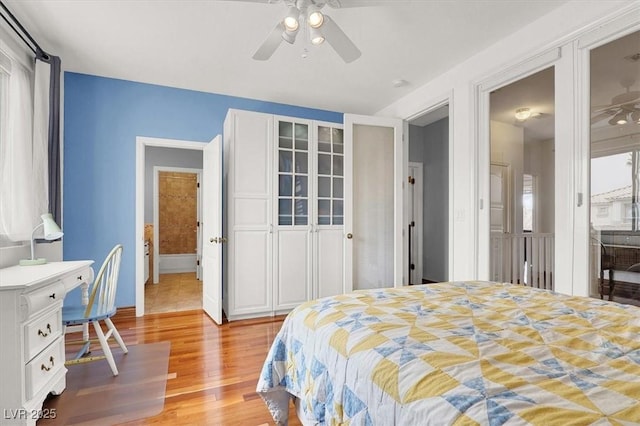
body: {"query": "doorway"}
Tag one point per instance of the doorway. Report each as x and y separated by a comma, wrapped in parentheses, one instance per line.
(522, 185)
(428, 193)
(172, 233)
(614, 228)
(174, 237)
(152, 152)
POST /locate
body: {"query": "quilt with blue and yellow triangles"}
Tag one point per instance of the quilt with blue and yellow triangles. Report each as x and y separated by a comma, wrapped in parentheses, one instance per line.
(461, 353)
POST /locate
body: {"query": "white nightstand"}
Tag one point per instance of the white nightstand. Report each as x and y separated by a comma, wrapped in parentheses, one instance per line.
(32, 350)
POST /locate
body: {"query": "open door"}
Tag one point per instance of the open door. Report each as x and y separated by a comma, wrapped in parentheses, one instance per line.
(212, 229)
(373, 204)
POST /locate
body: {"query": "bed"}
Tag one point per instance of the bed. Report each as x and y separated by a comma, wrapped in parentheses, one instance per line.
(456, 353)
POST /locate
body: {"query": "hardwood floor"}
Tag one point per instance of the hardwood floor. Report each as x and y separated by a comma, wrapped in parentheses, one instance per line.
(174, 292)
(213, 370)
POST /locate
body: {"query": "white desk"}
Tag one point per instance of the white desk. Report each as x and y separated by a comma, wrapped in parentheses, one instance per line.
(32, 350)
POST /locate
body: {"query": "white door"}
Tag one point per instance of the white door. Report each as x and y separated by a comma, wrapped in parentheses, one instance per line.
(199, 230)
(373, 208)
(212, 229)
(328, 210)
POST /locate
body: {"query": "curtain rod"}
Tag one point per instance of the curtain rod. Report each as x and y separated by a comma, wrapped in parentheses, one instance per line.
(37, 50)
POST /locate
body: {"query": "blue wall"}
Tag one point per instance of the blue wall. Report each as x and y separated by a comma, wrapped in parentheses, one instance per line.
(102, 118)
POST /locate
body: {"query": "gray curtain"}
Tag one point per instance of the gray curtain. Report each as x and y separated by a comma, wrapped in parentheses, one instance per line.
(55, 201)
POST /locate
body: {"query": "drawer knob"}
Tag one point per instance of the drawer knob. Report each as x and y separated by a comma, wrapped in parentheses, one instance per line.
(45, 368)
(80, 278)
(42, 333)
(52, 296)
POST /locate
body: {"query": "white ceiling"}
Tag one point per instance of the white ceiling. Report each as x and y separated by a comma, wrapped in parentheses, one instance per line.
(535, 92)
(207, 45)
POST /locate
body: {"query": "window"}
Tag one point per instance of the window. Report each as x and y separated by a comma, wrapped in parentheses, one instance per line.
(22, 200)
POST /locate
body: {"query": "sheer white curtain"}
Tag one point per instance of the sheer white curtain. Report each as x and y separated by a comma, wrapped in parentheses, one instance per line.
(23, 197)
(41, 137)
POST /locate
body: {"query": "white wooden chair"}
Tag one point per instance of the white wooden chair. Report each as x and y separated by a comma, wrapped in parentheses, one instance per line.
(101, 307)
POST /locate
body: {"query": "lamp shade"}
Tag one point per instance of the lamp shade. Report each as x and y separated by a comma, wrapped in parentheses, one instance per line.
(51, 232)
(51, 229)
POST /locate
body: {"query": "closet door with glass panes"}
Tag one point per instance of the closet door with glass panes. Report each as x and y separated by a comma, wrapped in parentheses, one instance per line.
(293, 230)
(329, 221)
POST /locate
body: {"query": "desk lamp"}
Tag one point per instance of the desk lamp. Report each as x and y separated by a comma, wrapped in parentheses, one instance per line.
(51, 232)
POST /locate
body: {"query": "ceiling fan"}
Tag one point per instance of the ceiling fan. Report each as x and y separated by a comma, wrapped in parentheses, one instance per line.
(307, 15)
(623, 108)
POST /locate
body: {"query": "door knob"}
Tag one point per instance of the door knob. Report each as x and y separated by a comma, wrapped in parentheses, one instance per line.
(349, 235)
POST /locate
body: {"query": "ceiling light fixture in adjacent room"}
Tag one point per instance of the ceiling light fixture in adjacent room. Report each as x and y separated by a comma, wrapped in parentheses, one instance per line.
(522, 114)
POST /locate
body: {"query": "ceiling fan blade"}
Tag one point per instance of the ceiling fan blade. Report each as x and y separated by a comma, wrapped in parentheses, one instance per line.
(600, 117)
(254, 1)
(339, 41)
(270, 45)
(344, 4)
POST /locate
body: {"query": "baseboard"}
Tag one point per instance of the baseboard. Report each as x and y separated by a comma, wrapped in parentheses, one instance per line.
(175, 263)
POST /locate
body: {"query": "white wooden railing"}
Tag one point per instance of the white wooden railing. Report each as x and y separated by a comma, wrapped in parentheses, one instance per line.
(523, 259)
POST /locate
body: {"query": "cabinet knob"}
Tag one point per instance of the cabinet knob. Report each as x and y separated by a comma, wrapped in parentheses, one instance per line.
(213, 240)
(52, 296)
(349, 235)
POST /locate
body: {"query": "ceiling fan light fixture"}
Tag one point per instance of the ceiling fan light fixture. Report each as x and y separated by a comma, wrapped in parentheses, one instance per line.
(289, 36)
(522, 114)
(620, 118)
(291, 20)
(316, 36)
(315, 19)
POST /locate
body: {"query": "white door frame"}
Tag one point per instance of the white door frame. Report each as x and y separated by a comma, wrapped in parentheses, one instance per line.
(156, 214)
(141, 143)
(418, 216)
(563, 194)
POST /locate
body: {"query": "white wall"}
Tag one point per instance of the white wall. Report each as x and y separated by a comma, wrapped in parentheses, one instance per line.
(559, 28)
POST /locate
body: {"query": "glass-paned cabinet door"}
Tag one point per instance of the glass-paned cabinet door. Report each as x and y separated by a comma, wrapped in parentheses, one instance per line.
(293, 173)
(330, 176)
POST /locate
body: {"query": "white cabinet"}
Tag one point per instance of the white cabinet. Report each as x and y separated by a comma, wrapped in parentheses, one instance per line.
(248, 227)
(284, 201)
(32, 349)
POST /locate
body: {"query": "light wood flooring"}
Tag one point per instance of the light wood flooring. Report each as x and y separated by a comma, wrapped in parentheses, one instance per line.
(213, 370)
(174, 293)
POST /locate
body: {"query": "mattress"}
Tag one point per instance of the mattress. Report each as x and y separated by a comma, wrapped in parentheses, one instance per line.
(456, 353)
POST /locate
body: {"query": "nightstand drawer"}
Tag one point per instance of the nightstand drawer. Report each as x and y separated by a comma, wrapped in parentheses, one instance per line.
(40, 332)
(35, 301)
(44, 367)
